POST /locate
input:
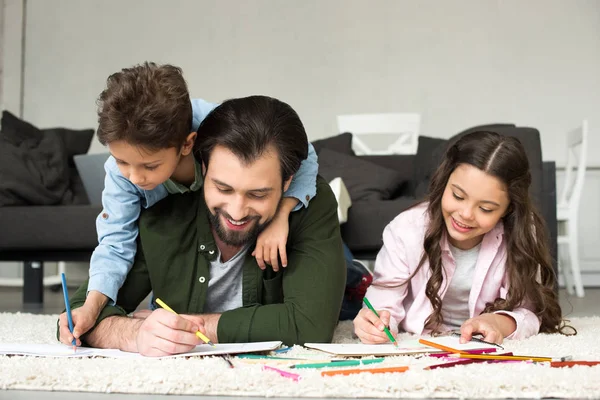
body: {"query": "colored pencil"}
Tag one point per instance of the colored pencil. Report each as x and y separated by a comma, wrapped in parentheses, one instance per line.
(560, 364)
(439, 346)
(369, 370)
(385, 328)
(198, 333)
(227, 360)
(453, 361)
(283, 373)
(502, 357)
(68, 308)
(340, 363)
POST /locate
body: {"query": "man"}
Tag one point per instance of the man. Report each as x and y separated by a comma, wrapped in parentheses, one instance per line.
(195, 249)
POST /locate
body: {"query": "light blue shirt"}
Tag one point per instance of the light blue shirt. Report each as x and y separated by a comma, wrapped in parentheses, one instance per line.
(122, 201)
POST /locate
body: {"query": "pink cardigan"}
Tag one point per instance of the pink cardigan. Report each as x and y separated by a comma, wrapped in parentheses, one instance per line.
(408, 305)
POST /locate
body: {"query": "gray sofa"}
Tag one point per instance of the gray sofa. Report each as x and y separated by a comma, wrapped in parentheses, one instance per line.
(381, 187)
(44, 211)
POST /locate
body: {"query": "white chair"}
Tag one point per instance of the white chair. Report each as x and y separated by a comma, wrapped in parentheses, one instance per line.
(568, 209)
(404, 125)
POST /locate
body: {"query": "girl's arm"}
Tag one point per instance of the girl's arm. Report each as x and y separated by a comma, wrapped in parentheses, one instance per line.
(388, 290)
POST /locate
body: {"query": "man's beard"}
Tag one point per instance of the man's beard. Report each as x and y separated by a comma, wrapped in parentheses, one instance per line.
(238, 238)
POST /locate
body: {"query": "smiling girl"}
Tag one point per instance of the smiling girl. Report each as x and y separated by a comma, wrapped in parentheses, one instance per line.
(474, 256)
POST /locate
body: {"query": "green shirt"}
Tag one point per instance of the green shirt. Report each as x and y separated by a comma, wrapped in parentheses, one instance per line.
(174, 187)
(297, 304)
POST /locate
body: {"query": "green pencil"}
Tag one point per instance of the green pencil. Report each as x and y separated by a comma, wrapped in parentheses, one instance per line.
(342, 363)
(385, 328)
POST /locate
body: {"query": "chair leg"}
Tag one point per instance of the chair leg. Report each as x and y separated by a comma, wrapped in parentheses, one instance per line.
(564, 267)
(574, 259)
(33, 282)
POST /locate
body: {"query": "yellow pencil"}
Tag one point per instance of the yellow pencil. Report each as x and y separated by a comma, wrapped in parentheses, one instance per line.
(198, 333)
(500, 357)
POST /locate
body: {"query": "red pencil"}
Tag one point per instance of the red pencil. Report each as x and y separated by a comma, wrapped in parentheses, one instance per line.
(569, 364)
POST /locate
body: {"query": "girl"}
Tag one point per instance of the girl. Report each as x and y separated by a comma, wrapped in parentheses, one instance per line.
(474, 256)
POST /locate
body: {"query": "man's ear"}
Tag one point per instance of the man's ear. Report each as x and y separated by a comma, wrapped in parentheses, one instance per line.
(287, 183)
(188, 145)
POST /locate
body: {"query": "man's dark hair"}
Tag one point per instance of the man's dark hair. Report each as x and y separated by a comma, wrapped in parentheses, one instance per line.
(147, 105)
(249, 126)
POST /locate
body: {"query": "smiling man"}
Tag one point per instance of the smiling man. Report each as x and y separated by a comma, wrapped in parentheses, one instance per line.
(195, 249)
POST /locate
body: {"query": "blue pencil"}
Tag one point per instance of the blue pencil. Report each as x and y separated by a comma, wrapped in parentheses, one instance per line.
(68, 307)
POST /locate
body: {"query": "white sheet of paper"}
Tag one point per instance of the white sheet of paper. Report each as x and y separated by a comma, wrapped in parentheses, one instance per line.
(405, 347)
(61, 350)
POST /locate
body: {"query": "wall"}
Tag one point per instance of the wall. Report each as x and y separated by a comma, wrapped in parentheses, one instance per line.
(457, 63)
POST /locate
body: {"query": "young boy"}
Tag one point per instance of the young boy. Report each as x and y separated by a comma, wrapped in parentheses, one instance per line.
(149, 125)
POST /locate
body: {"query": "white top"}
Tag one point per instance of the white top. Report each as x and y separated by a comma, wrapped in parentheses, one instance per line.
(455, 304)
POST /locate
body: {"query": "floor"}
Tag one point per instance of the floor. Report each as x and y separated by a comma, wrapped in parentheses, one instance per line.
(11, 301)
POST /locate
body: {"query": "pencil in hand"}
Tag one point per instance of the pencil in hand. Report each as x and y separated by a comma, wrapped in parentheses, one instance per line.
(68, 308)
(198, 333)
(385, 328)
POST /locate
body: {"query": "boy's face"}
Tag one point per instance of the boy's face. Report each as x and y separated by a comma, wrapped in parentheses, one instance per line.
(144, 168)
(242, 199)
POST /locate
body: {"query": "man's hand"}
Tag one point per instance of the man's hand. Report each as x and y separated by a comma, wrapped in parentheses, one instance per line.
(84, 318)
(164, 333)
(211, 322)
(274, 238)
(493, 327)
(369, 328)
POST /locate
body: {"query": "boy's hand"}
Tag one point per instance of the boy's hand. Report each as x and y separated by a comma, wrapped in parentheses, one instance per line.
(274, 238)
(271, 241)
(84, 318)
(369, 328)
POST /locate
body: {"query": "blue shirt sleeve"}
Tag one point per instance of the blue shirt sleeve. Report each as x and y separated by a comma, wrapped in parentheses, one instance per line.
(117, 228)
(304, 182)
(200, 109)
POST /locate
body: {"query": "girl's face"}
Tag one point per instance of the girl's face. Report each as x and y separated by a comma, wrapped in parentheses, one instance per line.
(472, 204)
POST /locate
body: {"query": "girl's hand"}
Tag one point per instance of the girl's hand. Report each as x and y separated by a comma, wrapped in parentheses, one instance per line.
(493, 327)
(271, 241)
(369, 328)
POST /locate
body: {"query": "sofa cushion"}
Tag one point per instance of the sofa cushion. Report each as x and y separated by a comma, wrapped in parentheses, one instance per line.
(77, 141)
(429, 155)
(366, 220)
(364, 180)
(341, 143)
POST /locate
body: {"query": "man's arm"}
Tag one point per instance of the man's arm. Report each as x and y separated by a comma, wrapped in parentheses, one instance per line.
(135, 288)
(312, 284)
(116, 332)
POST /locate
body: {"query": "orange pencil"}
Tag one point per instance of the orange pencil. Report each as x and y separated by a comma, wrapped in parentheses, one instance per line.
(360, 370)
(439, 346)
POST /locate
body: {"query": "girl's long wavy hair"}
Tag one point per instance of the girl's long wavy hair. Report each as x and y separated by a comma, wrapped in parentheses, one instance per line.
(529, 268)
